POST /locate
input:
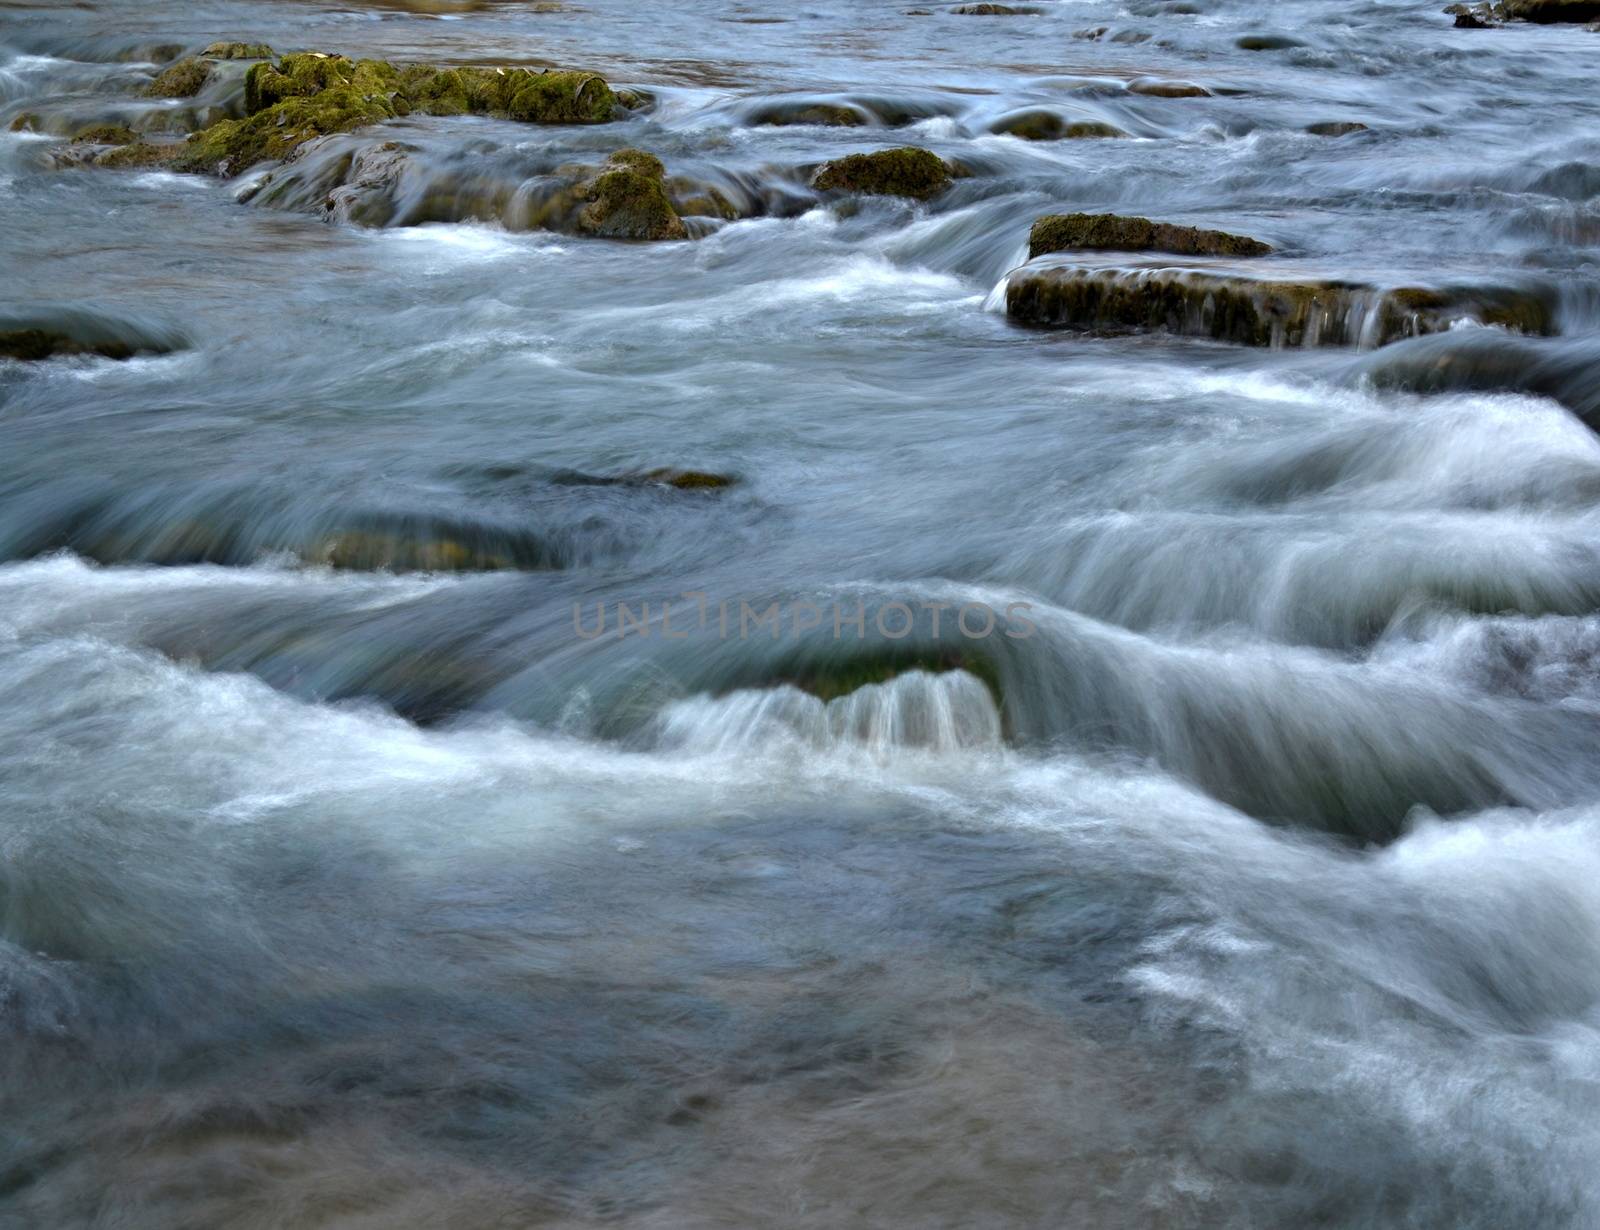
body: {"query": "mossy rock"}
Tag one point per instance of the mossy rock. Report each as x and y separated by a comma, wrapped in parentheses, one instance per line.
(238, 51)
(184, 79)
(907, 171)
(1042, 125)
(1113, 232)
(1335, 128)
(1254, 311)
(628, 200)
(374, 551)
(1155, 87)
(140, 154)
(106, 134)
(992, 10)
(561, 98)
(818, 114)
(689, 480)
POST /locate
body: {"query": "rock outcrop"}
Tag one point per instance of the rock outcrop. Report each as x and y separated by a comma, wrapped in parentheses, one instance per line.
(1539, 12)
(1255, 309)
(309, 95)
(1115, 233)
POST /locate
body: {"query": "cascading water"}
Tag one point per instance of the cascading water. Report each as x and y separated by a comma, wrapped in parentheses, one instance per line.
(816, 719)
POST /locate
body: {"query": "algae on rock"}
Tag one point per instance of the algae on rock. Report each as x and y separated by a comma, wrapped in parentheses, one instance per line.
(1113, 232)
(908, 171)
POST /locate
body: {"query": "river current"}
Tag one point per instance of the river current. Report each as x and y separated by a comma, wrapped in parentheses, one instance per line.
(409, 819)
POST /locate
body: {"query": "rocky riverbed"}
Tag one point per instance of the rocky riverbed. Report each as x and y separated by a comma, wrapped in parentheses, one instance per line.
(926, 615)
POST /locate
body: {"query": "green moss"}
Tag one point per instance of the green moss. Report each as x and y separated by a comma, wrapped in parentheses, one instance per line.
(629, 200)
(689, 480)
(238, 51)
(560, 98)
(183, 80)
(638, 160)
(140, 154)
(908, 171)
(821, 114)
(1042, 125)
(106, 134)
(1113, 232)
(25, 122)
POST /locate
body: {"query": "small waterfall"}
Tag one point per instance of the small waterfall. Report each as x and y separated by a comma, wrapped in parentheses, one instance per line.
(942, 712)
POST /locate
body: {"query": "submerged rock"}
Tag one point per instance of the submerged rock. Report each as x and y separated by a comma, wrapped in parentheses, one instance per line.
(798, 112)
(1112, 232)
(1156, 87)
(689, 480)
(628, 200)
(140, 154)
(106, 134)
(1566, 370)
(49, 332)
(1254, 310)
(992, 10)
(1042, 125)
(1267, 42)
(1335, 128)
(907, 171)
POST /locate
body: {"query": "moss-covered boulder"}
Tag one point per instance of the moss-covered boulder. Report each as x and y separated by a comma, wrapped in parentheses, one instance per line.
(788, 113)
(141, 154)
(106, 134)
(238, 51)
(309, 95)
(1113, 232)
(1260, 311)
(184, 79)
(907, 171)
(628, 200)
(1038, 124)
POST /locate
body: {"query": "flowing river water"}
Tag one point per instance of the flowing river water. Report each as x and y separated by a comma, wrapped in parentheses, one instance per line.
(1247, 873)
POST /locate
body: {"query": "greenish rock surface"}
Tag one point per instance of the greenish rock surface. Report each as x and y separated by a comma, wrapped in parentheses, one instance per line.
(1113, 232)
(310, 94)
(184, 79)
(1043, 125)
(907, 171)
(238, 51)
(1335, 128)
(106, 134)
(1156, 87)
(1259, 311)
(628, 200)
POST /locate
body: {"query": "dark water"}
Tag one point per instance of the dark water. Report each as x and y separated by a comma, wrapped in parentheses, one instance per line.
(1267, 894)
